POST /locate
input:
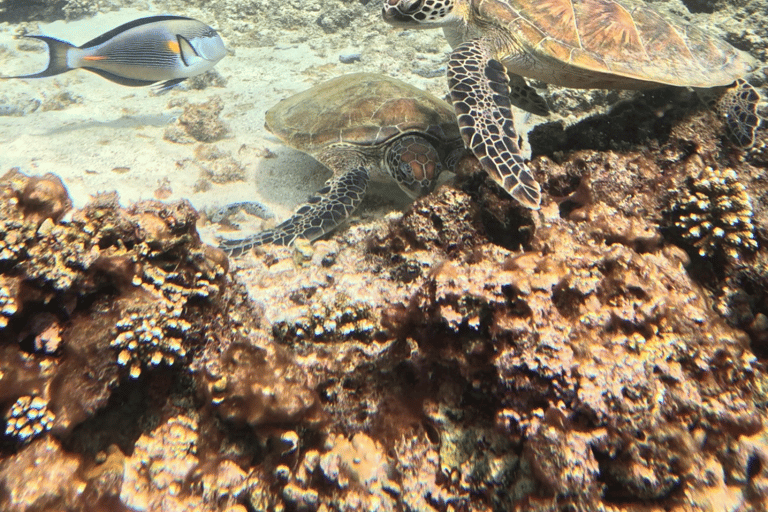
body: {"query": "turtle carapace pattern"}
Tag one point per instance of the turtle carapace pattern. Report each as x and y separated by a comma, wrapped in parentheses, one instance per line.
(357, 125)
(605, 44)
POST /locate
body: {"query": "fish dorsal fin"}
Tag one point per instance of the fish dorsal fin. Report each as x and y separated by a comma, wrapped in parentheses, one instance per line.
(186, 50)
(128, 26)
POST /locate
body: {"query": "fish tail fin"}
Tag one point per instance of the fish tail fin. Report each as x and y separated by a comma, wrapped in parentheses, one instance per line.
(57, 57)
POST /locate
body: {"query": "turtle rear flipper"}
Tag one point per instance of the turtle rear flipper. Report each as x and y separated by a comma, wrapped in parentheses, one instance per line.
(479, 88)
(323, 212)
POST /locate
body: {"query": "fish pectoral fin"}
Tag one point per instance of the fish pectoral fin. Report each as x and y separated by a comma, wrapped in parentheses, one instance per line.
(129, 82)
(168, 85)
(187, 52)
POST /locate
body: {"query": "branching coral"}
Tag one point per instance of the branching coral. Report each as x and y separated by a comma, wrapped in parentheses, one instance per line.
(28, 417)
(8, 303)
(714, 214)
(149, 340)
(345, 320)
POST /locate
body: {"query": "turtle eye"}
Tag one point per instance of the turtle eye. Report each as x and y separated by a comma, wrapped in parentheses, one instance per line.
(411, 8)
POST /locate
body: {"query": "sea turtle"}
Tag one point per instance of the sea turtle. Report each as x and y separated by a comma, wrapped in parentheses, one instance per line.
(620, 44)
(359, 125)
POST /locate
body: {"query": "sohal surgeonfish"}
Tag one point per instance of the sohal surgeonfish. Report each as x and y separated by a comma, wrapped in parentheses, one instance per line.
(164, 49)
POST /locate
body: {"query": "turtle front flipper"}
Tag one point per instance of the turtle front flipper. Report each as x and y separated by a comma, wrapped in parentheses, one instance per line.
(329, 207)
(738, 105)
(479, 88)
(255, 208)
(525, 97)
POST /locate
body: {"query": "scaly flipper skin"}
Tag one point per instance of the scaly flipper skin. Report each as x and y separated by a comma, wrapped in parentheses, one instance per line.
(738, 106)
(252, 207)
(323, 212)
(525, 97)
(479, 89)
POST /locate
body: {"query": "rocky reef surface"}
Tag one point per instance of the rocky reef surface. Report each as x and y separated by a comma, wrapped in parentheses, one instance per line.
(605, 353)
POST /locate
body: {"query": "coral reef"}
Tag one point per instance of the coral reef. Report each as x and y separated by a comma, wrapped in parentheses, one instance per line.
(16, 10)
(589, 369)
(465, 355)
(115, 316)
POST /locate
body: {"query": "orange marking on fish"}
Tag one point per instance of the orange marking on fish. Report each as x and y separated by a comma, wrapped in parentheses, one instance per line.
(95, 57)
(174, 46)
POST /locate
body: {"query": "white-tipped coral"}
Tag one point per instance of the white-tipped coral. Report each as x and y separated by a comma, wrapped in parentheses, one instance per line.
(8, 304)
(27, 418)
(146, 339)
(714, 214)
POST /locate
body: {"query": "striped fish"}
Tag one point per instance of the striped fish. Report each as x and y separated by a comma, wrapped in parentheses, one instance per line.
(163, 50)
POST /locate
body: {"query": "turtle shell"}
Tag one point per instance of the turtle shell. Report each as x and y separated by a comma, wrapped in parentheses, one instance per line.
(362, 109)
(609, 43)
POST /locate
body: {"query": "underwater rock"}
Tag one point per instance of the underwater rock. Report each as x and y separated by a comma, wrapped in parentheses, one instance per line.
(218, 166)
(198, 122)
(50, 478)
(210, 78)
(338, 17)
(349, 58)
(256, 385)
(155, 473)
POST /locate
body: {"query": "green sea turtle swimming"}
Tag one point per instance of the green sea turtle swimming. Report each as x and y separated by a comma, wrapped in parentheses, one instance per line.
(606, 44)
(359, 125)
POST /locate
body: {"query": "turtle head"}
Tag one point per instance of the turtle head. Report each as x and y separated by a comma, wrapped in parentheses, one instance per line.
(414, 163)
(419, 13)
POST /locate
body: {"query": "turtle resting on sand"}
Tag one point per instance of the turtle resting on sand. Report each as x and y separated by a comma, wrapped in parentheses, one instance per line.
(359, 125)
(606, 44)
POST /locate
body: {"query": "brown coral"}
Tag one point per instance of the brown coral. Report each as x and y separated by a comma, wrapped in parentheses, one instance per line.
(256, 385)
(43, 198)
